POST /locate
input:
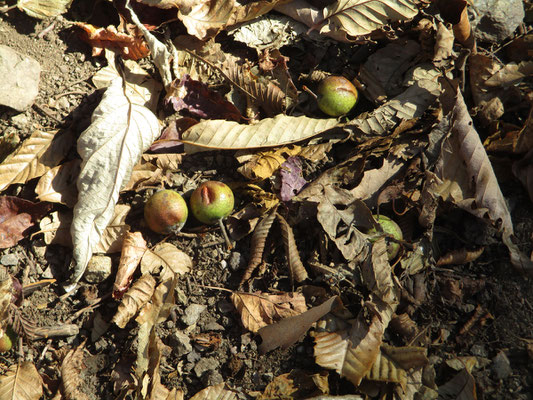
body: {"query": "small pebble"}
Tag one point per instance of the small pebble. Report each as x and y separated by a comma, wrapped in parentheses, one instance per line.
(192, 314)
(501, 367)
(98, 269)
(9, 260)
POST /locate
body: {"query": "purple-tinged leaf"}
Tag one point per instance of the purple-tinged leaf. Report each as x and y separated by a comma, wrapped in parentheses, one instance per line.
(292, 180)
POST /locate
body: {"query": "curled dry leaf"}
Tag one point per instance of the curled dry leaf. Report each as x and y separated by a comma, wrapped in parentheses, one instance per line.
(138, 295)
(461, 256)
(269, 132)
(130, 47)
(262, 309)
(37, 155)
(297, 384)
(120, 132)
(346, 20)
(296, 268)
(385, 369)
(169, 258)
(263, 164)
(71, 368)
(58, 185)
(258, 243)
(22, 382)
(204, 19)
(44, 9)
(133, 248)
(6, 295)
(217, 392)
(455, 12)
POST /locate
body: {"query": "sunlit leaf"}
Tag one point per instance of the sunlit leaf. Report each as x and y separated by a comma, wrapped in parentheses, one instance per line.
(21, 382)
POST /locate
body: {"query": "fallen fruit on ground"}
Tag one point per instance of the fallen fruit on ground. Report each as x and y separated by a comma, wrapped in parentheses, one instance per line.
(390, 228)
(166, 212)
(211, 202)
(336, 96)
(7, 339)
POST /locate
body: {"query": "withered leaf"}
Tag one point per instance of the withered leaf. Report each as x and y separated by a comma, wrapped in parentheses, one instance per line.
(133, 248)
(21, 381)
(263, 164)
(71, 368)
(217, 392)
(291, 178)
(138, 295)
(169, 258)
(58, 185)
(297, 384)
(461, 256)
(262, 309)
(461, 386)
(296, 268)
(206, 18)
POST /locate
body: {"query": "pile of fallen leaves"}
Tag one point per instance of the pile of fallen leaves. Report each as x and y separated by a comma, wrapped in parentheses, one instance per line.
(414, 150)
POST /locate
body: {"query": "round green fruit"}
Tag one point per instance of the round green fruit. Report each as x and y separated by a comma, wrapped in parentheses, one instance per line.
(390, 228)
(211, 202)
(7, 339)
(336, 96)
(166, 212)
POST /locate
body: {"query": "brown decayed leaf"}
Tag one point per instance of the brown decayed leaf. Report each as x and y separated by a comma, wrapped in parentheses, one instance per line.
(39, 153)
(21, 382)
(207, 17)
(133, 248)
(16, 216)
(482, 67)
(296, 385)
(385, 369)
(257, 245)
(250, 11)
(58, 185)
(444, 44)
(404, 326)
(139, 294)
(6, 294)
(216, 392)
(296, 268)
(130, 47)
(145, 173)
(71, 368)
(289, 330)
(262, 165)
(261, 309)
(455, 12)
(44, 9)
(461, 256)
(167, 162)
(406, 357)
(511, 74)
(160, 305)
(269, 132)
(169, 257)
(462, 387)
(122, 376)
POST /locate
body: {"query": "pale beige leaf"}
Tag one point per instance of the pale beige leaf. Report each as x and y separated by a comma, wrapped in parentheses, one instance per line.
(37, 154)
(6, 294)
(444, 43)
(406, 357)
(21, 382)
(262, 165)
(296, 268)
(42, 9)
(207, 17)
(511, 74)
(261, 309)
(160, 305)
(138, 295)
(166, 256)
(71, 368)
(346, 20)
(133, 248)
(376, 273)
(166, 4)
(56, 230)
(217, 392)
(252, 10)
(286, 386)
(144, 174)
(167, 162)
(58, 185)
(269, 132)
(120, 132)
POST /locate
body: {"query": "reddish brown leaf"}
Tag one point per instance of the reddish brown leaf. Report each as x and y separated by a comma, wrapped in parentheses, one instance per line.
(16, 216)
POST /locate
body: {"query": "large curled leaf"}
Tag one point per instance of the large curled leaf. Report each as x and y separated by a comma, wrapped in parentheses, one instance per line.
(269, 132)
(21, 382)
(137, 296)
(345, 20)
(206, 18)
(42, 9)
(120, 132)
(168, 257)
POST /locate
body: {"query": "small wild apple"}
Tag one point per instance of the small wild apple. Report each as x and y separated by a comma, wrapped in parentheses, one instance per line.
(336, 96)
(166, 212)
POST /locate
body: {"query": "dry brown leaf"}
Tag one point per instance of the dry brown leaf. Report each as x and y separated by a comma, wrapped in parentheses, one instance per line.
(296, 385)
(404, 326)
(44, 9)
(257, 245)
(482, 67)
(289, 330)
(250, 11)
(138, 295)
(461, 256)
(461, 387)
(58, 185)
(385, 369)
(21, 382)
(455, 12)
(511, 74)
(144, 174)
(133, 248)
(262, 165)
(444, 44)
(160, 305)
(269, 132)
(217, 392)
(37, 154)
(71, 368)
(347, 20)
(262, 309)
(167, 162)
(376, 273)
(169, 258)
(6, 295)
(296, 268)
(205, 18)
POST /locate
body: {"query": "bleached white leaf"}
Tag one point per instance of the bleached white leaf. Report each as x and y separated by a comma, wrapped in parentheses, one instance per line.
(42, 9)
(120, 132)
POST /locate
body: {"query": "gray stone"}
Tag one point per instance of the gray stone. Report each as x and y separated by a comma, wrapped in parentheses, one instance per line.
(205, 364)
(9, 260)
(495, 20)
(98, 269)
(192, 314)
(193, 356)
(478, 350)
(180, 343)
(212, 378)
(213, 326)
(501, 367)
(19, 79)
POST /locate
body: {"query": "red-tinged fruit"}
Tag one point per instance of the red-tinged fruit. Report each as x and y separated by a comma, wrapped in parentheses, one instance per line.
(211, 202)
(166, 212)
(7, 339)
(390, 228)
(336, 96)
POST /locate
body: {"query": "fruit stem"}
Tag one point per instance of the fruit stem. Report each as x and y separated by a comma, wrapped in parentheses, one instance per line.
(306, 89)
(225, 234)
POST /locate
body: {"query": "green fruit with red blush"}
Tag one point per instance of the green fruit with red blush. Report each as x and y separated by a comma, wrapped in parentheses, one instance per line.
(166, 212)
(211, 202)
(336, 96)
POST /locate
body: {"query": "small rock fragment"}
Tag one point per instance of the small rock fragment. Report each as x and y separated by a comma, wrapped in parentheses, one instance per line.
(98, 269)
(180, 342)
(495, 20)
(9, 260)
(22, 86)
(205, 364)
(212, 378)
(192, 314)
(501, 367)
